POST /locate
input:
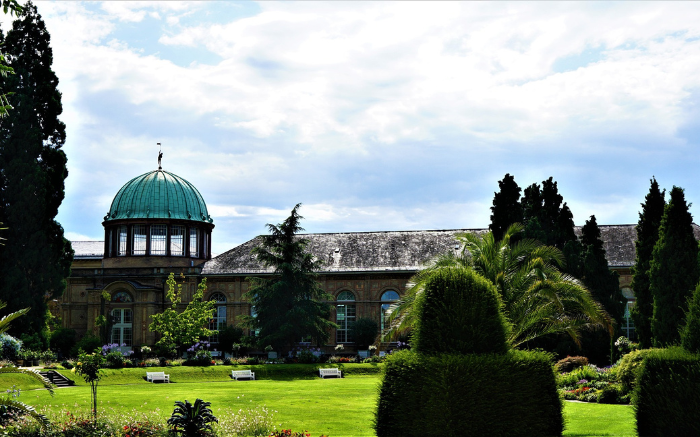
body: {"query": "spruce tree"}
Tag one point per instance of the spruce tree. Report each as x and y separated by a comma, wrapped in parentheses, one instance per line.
(36, 257)
(603, 284)
(674, 270)
(647, 236)
(506, 208)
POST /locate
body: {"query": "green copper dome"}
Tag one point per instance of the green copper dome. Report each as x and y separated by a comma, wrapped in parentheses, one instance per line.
(158, 194)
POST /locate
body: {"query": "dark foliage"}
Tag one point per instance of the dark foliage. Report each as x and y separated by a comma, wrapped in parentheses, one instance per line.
(674, 271)
(546, 218)
(690, 336)
(87, 344)
(365, 332)
(506, 208)
(63, 340)
(36, 257)
(666, 398)
(290, 303)
(192, 420)
(228, 336)
(512, 394)
(647, 236)
(570, 363)
(459, 312)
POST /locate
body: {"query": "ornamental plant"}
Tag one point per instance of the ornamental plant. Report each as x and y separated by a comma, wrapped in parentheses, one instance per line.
(89, 366)
(192, 419)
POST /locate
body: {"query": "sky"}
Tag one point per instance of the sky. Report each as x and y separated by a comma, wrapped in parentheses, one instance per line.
(376, 116)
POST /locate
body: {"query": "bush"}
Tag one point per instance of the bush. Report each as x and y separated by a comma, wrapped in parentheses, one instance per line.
(228, 336)
(200, 358)
(192, 419)
(570, 363)
(511, 394)
(115, 360)
(87, 344)
(62, 340)
(666, 397)
(459, 312)
(690, 335)
(9, 347)
(612, 394)
(629, 368)
(365, 332)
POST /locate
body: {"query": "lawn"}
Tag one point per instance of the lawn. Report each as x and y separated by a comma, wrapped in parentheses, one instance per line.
(337, 407)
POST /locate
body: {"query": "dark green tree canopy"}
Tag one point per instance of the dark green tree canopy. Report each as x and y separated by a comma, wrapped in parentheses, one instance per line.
(36, 257)
(547, 218)
(690, 336)
(506, 208)
(673, 272)
(290, 304)
(647, 236)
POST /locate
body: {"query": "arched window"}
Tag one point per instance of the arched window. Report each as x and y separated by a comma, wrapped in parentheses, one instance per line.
(122, 331)
(345, 317)
(388, 298)
(121, 297)
(219, 320)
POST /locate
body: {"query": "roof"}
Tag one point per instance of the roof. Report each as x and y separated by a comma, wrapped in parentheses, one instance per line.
(158, 194)
(88, 249)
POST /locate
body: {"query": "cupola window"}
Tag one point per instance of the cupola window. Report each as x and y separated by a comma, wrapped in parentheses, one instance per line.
(159, 239)
(122, 241)
(138, 246)
(194, 242)
(177, 241)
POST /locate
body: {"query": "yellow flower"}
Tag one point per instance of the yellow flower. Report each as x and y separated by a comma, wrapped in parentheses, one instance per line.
(73, 370)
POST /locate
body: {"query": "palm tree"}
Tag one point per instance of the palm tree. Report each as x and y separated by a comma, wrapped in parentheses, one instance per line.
(538, 299)
(7, 403)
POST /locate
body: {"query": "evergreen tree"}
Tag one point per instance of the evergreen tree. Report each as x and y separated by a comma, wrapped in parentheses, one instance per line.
(690, 337)
(546, 219)
(36, 258)
(289, 305)
(603, 284)
(647, 236)
(506, 208)
(674, 270)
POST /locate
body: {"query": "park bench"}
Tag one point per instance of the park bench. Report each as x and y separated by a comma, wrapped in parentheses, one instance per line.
(157, 376)
(247, 374)
(329, 372)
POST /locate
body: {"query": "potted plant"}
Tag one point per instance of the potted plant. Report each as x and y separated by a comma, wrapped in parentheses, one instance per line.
(270, 354)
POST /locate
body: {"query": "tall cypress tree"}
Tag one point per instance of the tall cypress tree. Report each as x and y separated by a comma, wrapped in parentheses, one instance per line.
(674, 270)
(546, 216)
(36, 257)
(647, 236)
(506, 208)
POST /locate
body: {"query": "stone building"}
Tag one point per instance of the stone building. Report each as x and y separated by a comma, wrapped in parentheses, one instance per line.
(158, 223)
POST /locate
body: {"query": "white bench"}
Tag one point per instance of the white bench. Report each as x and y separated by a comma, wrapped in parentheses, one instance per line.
(247, 374)
(157, 376)
(329, 372)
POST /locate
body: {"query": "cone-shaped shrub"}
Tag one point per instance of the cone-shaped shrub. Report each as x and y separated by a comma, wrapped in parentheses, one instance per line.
(459, 313)
(690, 336)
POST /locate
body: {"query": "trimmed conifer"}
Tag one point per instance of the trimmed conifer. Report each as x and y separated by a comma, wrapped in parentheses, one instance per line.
(459, 312)
(506, 208)
(690, 336)
(674, 271)
(647, 236)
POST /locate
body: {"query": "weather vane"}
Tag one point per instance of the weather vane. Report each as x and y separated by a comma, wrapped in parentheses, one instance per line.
(160, 156)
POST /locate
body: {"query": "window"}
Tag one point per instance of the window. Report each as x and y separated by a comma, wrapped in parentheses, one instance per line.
(254, 314)
(219, 320)
(122, 241)
(122, 327)
(159, 239)
(109, 243)
(177, 241)
(138, 246)
(194, 242)
(627, 324)
(388, 298)
(121, 297)
(345, 317)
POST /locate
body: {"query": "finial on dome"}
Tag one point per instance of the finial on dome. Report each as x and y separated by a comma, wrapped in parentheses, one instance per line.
(160, 156)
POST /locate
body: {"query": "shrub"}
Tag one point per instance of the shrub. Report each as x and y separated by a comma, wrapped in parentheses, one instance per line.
(666, 397)
(365, 332)
(200, 358)
(629, 368)
(62, 340)
(511, 394)
(87, 344)
(570, 363)
(690, 335)
(612, 394)
(115, 360)
(228, 336)
(9, 347)
(192, 419)
(459, 312)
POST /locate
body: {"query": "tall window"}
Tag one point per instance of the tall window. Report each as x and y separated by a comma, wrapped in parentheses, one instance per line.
(159, 239)
(122, 331)
(627, 322)
(194, 242)
(122, 241)
(219, 320)
(138, 246)
(345, 317)
(177, 241)
(388, 297)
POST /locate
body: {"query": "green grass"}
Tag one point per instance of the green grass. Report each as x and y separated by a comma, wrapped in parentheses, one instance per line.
(337, 407)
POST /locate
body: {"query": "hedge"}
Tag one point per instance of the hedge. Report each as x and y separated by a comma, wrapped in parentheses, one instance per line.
(512, 394)
(667, 397)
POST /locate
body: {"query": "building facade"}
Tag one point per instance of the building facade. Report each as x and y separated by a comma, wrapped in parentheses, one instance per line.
(158, 223)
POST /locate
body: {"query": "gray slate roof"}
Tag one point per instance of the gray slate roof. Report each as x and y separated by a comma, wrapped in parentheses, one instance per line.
(88, 249)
